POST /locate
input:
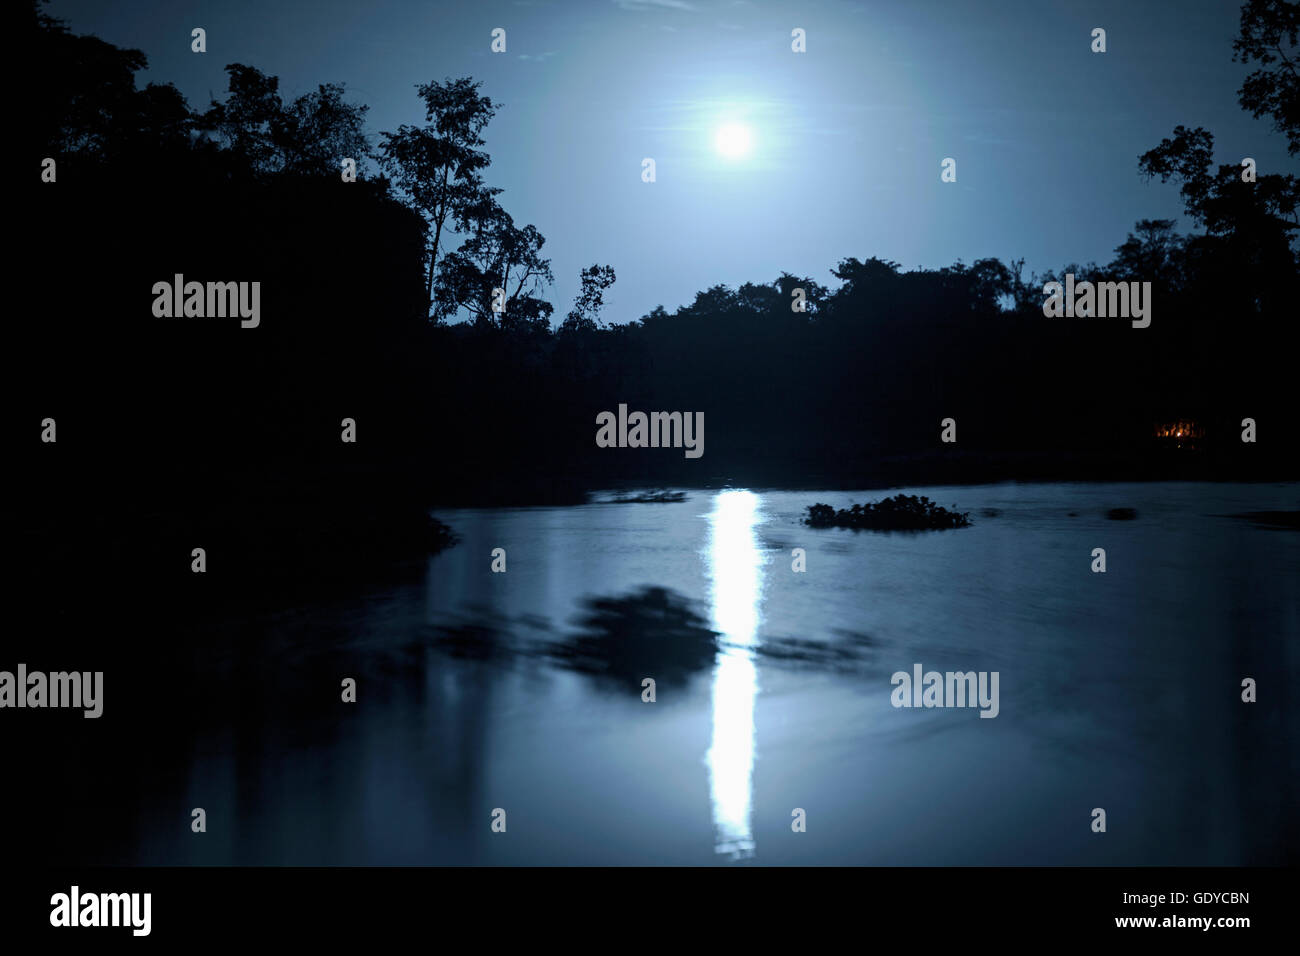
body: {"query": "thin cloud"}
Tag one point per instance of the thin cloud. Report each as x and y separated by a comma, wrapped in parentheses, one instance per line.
(643, 5)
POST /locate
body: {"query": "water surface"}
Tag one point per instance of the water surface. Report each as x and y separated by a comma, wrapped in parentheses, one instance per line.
(523, 691)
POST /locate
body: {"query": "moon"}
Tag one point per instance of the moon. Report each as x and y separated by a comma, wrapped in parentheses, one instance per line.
(733, 140)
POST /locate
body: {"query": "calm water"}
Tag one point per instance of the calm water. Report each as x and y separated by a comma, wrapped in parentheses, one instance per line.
(522, 691)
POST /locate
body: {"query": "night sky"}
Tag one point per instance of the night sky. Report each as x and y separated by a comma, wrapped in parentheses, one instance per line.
(847, 137)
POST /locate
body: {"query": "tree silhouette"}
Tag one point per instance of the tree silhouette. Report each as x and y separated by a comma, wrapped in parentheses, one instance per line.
(585, 314)
(310, 136)
(1274, 89)
(496, 255)
(85, 105)
(1153, 252)
(875, 361)
(439, 166)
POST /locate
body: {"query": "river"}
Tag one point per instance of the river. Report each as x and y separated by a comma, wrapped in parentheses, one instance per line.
(521, 691)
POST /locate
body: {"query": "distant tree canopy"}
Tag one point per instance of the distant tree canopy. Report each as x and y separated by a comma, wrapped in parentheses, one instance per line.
(83, 103)
(87, 109)
(310, 136)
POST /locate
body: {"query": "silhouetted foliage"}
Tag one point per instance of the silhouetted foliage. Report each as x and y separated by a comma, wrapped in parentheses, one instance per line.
(496, 255)
(1264, 211)
(585, 314)
(439, 167)
(899, 513)
(1267, 26)
(310, 136)
(849, 392)
(651, 497)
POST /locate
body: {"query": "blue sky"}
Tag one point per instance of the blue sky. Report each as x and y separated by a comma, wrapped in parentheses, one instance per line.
(847, 137)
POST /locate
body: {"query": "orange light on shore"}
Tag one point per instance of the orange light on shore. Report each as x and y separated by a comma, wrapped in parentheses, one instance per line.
(1180, 430)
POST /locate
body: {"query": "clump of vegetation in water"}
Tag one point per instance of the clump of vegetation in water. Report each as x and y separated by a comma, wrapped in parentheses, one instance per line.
(651, 497)
(899, 513)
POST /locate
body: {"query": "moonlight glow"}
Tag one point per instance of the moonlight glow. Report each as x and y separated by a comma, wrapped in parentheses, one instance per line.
(734, 140)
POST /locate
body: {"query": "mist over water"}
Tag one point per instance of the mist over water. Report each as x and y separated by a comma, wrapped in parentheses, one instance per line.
(522, 691)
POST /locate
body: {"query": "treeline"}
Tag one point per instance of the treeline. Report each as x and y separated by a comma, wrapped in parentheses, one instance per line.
(380, 303)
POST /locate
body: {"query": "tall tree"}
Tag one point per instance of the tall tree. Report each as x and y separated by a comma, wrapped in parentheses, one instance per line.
(1269, 30)
(585, 314)
(496, 255)
(1262, 211)
(439, 165)
(1258, 218)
